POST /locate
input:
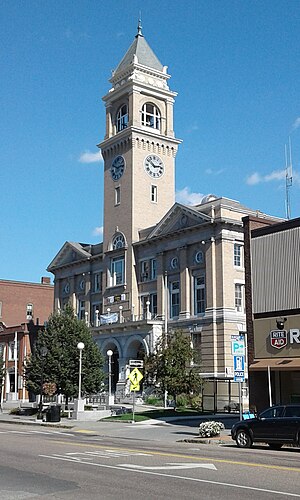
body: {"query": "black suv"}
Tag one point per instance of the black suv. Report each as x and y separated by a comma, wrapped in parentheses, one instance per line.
(275, 426)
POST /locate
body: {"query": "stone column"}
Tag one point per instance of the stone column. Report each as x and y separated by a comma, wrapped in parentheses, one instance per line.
(185, 286)
(57, 284)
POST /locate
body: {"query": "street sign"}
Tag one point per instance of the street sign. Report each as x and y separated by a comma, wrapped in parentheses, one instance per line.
(239, 368)
(135, 387)
(136, 363)
(239, 376)
(239, 363)
(135, 376)
(238, 346)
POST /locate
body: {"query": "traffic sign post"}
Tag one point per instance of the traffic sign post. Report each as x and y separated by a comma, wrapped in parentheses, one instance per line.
(239, 368)
(136, 363)
(135, 376)
(238, 352)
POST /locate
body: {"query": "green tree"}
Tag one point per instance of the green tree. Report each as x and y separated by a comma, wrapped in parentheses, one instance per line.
(60, 362)
(2, 374)
(172, 366)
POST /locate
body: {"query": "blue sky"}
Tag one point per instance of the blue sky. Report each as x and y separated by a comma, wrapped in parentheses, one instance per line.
(234, 64)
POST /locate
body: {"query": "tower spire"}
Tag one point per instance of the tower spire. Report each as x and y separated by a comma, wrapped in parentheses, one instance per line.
(139, 28)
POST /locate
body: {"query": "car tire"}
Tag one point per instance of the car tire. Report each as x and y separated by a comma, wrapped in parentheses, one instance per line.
(275, 446)
(243, 439)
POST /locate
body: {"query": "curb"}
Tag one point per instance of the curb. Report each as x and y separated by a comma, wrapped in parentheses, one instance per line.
(34, 422)
(207, 441)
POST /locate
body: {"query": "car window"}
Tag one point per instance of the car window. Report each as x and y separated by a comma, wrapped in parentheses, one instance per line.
(292, 411)
(277, 411)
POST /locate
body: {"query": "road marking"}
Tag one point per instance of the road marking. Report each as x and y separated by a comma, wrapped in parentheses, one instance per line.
(171, 466)
(108, 454)
(84, 431)
(197, 480)
(189, 457)
(60, 433)
(46, 433)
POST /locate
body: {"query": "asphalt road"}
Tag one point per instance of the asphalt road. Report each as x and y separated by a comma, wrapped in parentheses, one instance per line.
(52, 463)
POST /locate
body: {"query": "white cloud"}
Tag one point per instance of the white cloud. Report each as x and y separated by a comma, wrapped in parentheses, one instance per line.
(276, 175)
(256, 178)
(193, 128)
(68, 33)
(296, 124)
(98, 231)
(210, 171)
(185, 197)
(74, 36)
(88, 157)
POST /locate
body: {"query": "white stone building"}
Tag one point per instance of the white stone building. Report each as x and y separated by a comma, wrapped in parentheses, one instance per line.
(162, 265)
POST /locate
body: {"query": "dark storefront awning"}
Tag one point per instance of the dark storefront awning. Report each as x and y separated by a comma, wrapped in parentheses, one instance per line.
(281, 364)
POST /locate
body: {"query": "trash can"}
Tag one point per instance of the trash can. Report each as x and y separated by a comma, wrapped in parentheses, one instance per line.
(53, 413)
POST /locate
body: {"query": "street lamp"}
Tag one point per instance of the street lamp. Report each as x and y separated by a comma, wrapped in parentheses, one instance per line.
(110, 397)
(80, 346)
(43, 354)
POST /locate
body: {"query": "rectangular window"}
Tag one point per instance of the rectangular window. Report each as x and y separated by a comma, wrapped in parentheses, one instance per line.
(29, 311)
(237, 255)
(199, 294)
(153, 304)
(239, 297)
(117, 195)
(81, 309)
(174, 299)
(154, 193)
(96, 315)
(152, 299)
(0, 309)
(11, 350)
(97, 282)
(153, 267)
(144, 270)
(117, 271)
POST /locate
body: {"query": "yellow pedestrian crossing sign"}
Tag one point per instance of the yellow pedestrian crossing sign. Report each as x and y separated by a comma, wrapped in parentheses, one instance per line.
(135, 376)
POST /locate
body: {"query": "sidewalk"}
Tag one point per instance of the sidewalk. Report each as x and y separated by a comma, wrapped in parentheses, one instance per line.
(169, 429)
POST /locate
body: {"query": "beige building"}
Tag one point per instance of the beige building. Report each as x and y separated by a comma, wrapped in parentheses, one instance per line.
(162, 265)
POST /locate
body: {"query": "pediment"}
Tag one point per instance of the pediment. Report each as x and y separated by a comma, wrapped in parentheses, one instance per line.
(179, 217)
(68, 254)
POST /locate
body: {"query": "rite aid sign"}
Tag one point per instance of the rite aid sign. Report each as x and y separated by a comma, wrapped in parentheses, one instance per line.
(280, 338)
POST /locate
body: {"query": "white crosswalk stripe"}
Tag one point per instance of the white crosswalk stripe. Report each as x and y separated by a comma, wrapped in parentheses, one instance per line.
(29, 433)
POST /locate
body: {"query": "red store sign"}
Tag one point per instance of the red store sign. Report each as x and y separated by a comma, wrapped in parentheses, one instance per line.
(280, 338)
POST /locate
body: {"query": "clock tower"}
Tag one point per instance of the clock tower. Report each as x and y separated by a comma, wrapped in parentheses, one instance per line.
(139, 150)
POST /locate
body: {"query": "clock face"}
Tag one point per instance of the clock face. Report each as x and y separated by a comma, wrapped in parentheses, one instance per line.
(117, 167)
(154, 166)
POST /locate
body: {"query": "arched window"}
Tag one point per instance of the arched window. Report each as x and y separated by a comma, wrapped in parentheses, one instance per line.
(122, 118)
(118, 241)
(150, 116)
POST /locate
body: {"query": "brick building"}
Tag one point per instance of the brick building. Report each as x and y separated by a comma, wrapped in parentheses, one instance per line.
(21, 302)
(24, 308)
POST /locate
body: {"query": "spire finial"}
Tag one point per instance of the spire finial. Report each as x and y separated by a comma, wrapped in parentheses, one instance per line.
(139, 28)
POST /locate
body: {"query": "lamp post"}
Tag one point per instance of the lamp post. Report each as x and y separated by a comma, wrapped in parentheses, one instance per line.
(43, 354)
(110, 397)
(80, 346)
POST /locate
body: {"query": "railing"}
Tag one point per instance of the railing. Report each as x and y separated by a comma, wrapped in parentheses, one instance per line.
(120, 318)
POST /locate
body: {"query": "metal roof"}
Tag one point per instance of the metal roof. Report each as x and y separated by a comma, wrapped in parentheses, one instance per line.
(140, 52)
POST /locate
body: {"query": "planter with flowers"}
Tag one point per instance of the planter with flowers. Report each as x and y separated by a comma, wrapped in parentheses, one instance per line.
(210, 428)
